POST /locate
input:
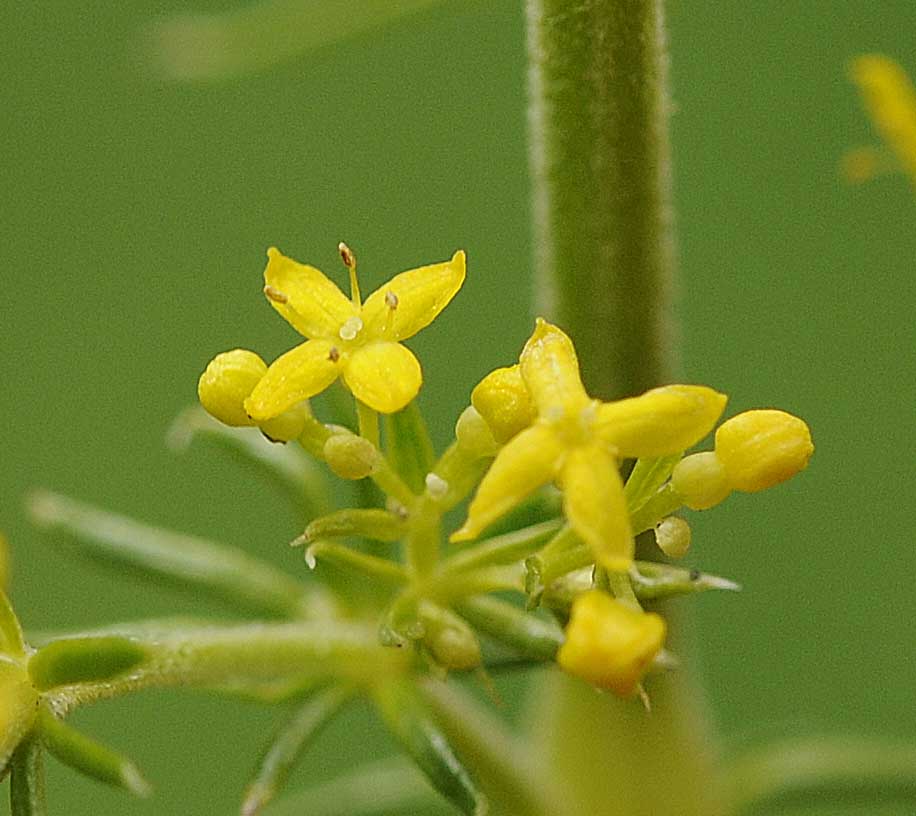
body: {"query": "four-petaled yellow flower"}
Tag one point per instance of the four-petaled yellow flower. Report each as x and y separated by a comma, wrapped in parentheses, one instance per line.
(346, 338)
(579, 442)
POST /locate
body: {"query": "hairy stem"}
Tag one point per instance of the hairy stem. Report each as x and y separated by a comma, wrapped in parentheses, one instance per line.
(604, 246)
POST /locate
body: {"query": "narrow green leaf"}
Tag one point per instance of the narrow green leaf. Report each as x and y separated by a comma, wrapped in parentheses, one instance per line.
(408, 446)
(422, 739)
(503, 549)
(374, 524)
(223, 572)
(288, 745)
(825, 768)
(90, 757)
(27, 783)
(353, 563)
(84, 660)
(287, 467)
(258, 35)
(379, 788)
(529, 635)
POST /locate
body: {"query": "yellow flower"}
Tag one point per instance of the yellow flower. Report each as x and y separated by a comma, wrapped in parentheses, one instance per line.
(346, 338)
(608, 644)
(890, 101)
(579, 441)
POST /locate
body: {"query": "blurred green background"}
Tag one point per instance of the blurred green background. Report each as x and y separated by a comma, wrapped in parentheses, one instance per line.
(135, 217)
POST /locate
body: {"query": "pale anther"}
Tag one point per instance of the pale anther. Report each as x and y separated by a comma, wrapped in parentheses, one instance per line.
(346, 255)
(436, 486)
(333, 354)
(351, 327)
(391, 300)
(275, 295)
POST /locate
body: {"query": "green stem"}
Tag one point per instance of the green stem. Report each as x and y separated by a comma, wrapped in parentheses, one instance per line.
(604, 270)
(602, 191)
(27, 786)
(368, 423)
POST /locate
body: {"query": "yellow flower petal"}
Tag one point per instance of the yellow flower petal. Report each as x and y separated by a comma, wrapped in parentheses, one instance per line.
(502, 399)
(384, 376)
(523, 465)
(660, 422)
(551, 371)
(310, 302)
(609, 645)
(412, 300)
(297, 375)
(594, 505)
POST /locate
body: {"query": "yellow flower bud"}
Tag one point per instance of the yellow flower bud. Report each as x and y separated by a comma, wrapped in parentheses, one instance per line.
(700, 480)
(474, 435)
(608, 644)
(672, 535)
(350, 456)
(502, 399)
(759, 449)
(227, 382)
(288, 425)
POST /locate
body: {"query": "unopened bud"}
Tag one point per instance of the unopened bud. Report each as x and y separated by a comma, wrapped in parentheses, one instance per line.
(288, 425)
(451, 642)
(759, 449)
(227, 382)
(350, 456)
(502, 399)
(608, 644)
(474, 435)
(700, 480)
(672, 535)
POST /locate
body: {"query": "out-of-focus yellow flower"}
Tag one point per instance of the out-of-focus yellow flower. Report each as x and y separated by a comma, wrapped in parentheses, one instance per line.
(227, 382)
(347, 338)
(579, 441)
(608, 644)
(890, 101)
(754, 450)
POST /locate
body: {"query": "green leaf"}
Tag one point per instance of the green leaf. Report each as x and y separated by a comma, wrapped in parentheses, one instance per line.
(90, 757)
(288, 745)
(286, 467)
(386, 786)
(27, 783)
(258, 35)
(223, 572)
(84, 660)
(422, 739)
(408, 446)
(826, 768)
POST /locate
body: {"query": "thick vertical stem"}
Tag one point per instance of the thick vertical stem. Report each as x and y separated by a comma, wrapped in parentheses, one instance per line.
(603, 236)
(600, 162)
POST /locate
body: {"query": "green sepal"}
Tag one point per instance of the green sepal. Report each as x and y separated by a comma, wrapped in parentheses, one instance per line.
(374, 524)
(84, 660)
(647, 476)
(288, 745)
(408, 446)
(411, 723)
(27, 779)
(531, 636)
(302, 480)
(88, 756)
(223, 572)
(345, 563)
(11, 641)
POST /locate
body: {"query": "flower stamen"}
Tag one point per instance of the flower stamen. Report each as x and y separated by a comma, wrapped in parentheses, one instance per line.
(349, 259)
(275, 295)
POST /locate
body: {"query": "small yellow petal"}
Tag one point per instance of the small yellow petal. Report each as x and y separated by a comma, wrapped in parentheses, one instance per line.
(412, 300)
(297, 375)
(660, 422)
(595, 506)
(308, 300)
(759, 449)
(502, 399)
(226, 383)
(608, 644)
(523, 465)
(551, 371)
(384, 376)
